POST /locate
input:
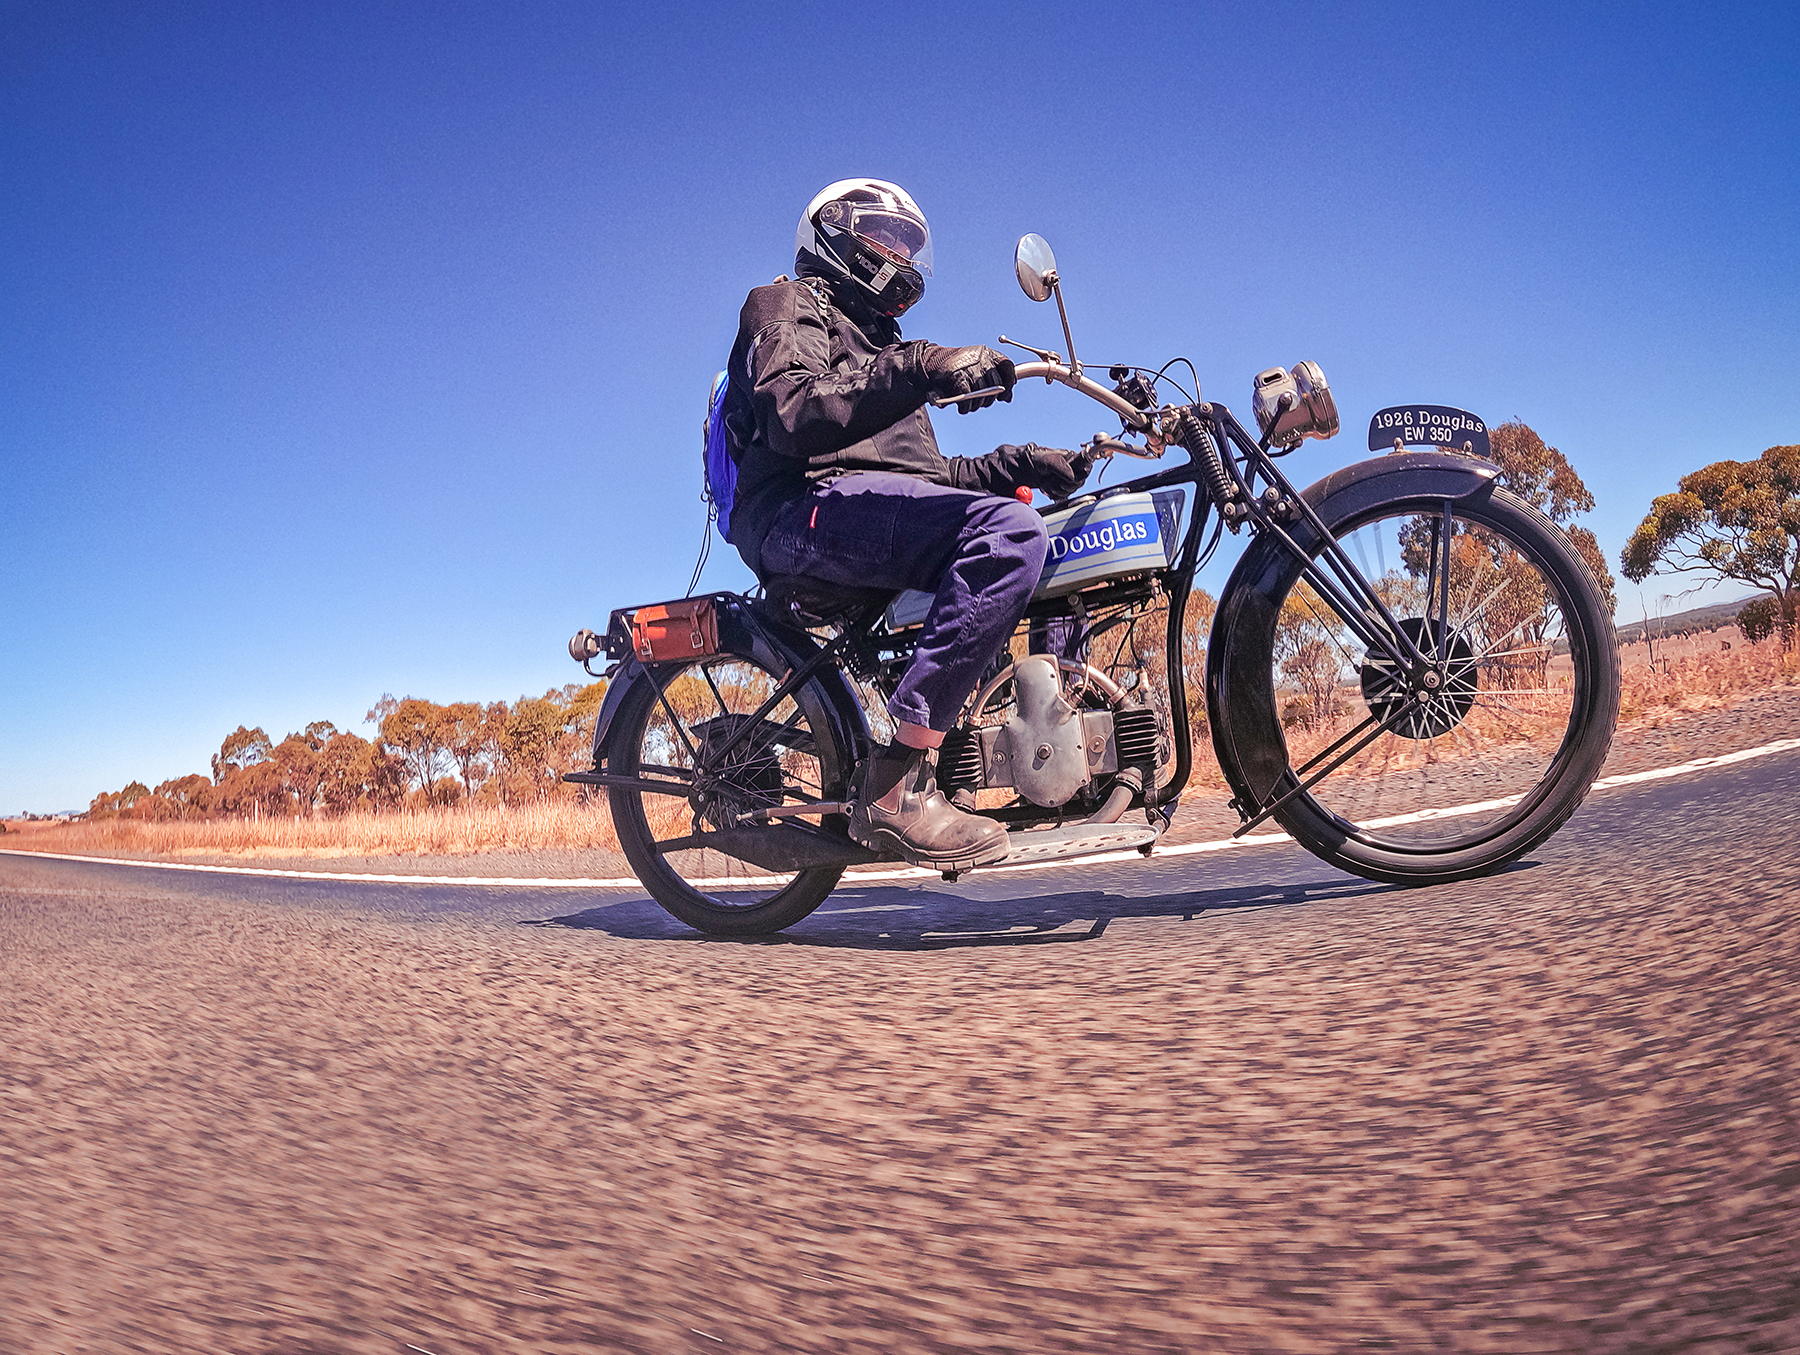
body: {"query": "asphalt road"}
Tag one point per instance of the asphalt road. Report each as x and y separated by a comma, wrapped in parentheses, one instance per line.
(1221, 1102)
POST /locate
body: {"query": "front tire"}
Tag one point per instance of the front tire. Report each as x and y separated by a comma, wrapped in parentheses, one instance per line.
(1477, 771)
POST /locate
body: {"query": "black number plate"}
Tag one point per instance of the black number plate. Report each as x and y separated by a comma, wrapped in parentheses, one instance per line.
(1428, 426)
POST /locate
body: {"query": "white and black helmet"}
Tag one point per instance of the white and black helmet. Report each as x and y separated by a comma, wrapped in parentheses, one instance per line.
(871, 233)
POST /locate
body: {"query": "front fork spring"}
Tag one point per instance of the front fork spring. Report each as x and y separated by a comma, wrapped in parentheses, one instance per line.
(1192, 434)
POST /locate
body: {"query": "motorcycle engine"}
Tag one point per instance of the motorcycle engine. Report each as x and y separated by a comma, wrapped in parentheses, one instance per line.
(1296, 404)
(1044, 742)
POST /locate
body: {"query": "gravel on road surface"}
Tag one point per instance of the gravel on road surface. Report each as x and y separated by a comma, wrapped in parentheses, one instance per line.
(1549, 1111)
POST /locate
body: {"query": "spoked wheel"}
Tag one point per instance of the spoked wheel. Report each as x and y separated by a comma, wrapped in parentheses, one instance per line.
(697, 730)
(1478, 740)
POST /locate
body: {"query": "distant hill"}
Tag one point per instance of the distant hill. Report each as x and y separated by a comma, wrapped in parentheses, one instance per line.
(1710, 617)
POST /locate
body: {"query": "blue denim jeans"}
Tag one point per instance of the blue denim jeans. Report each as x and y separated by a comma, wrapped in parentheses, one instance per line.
(978, 554)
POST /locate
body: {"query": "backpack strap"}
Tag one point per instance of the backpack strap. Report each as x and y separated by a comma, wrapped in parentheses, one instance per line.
(820, 295)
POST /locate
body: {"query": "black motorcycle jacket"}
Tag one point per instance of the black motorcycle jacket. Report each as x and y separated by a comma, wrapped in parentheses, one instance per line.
(817, 389)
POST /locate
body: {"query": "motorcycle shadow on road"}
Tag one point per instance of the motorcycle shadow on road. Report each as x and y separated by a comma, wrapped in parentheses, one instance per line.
(923, 918)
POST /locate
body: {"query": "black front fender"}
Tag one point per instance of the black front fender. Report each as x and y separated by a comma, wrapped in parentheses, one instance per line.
(1240, 679)
(1392, 479)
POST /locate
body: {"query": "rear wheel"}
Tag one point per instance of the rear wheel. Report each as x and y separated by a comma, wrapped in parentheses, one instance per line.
(697, 730)
(1437, 770)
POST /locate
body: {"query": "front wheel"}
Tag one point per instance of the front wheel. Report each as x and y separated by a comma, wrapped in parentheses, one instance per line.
(1454, 762)
(699, 731)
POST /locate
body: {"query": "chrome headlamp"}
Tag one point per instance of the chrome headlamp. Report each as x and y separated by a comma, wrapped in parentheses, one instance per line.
(1295, 405)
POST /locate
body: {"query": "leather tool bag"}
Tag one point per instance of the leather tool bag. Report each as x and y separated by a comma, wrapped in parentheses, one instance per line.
(687, 629)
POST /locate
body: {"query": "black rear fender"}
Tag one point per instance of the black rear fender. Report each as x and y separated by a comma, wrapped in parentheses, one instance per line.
(779, 648)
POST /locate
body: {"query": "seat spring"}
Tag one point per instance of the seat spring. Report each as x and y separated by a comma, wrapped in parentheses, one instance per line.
(860, 657)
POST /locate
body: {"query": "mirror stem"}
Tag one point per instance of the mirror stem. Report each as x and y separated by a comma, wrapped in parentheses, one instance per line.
(1068, 338)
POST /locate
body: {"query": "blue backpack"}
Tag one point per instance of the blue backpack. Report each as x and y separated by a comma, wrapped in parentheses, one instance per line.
(720, 466)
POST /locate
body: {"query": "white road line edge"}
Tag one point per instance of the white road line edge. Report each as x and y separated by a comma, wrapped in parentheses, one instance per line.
(854, 877)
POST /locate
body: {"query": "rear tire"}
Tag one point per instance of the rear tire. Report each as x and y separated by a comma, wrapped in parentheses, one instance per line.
(666, 728)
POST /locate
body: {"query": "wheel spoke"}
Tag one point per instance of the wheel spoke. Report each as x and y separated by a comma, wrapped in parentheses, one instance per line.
(1332, 626)
(1471, 618)
(1507, 638)
(662, 695)
(1509, 653)
(1443, 627)
(1319, 757)
(1389, 723)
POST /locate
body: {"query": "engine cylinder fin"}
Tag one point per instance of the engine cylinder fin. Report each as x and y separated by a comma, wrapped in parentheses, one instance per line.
(959, 761)
(1134, 734)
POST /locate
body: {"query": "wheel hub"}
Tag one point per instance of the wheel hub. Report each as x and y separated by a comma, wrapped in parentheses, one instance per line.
(731, 784)
(1444, 688)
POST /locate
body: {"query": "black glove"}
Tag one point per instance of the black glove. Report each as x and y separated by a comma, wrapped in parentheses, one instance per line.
(957, 371)
(1059, 474)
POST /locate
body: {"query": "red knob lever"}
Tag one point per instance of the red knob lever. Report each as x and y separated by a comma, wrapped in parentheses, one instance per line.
(1022, 493)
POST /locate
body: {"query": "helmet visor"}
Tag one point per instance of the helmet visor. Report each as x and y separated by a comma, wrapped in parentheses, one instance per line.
(902, 238)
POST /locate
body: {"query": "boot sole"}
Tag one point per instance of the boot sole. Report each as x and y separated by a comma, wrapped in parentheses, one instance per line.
(884, 839)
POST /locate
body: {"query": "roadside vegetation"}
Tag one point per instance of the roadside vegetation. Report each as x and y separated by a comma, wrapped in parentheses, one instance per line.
(1737, 521)
(567, 823)
(1701, 671)
(424, 756)
(438, 779)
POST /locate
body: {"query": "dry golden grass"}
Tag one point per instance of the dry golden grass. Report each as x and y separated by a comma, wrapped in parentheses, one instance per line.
(1699, 674)
(26, 827)
(566, 824)
(1691, 674)
(1525, 720)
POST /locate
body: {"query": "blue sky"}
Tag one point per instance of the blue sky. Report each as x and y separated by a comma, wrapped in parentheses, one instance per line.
(350, 349)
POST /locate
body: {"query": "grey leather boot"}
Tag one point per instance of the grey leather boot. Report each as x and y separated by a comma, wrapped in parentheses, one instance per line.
(900, 808)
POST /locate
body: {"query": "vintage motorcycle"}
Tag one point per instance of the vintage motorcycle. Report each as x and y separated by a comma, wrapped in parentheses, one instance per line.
(1410, 670)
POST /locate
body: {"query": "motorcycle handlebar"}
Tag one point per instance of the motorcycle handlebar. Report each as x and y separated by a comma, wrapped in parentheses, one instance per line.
(1055, 371)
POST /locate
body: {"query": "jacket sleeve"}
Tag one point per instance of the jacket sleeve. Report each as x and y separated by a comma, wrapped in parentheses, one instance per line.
(999, 472)
(804, 406)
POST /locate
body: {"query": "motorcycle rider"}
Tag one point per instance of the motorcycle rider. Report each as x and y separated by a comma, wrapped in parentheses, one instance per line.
(840, 480)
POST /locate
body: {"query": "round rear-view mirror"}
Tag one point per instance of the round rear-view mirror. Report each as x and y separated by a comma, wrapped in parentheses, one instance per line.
(1036, 266)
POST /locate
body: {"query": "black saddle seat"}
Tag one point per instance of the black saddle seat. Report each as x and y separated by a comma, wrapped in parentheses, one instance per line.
(817, 602)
